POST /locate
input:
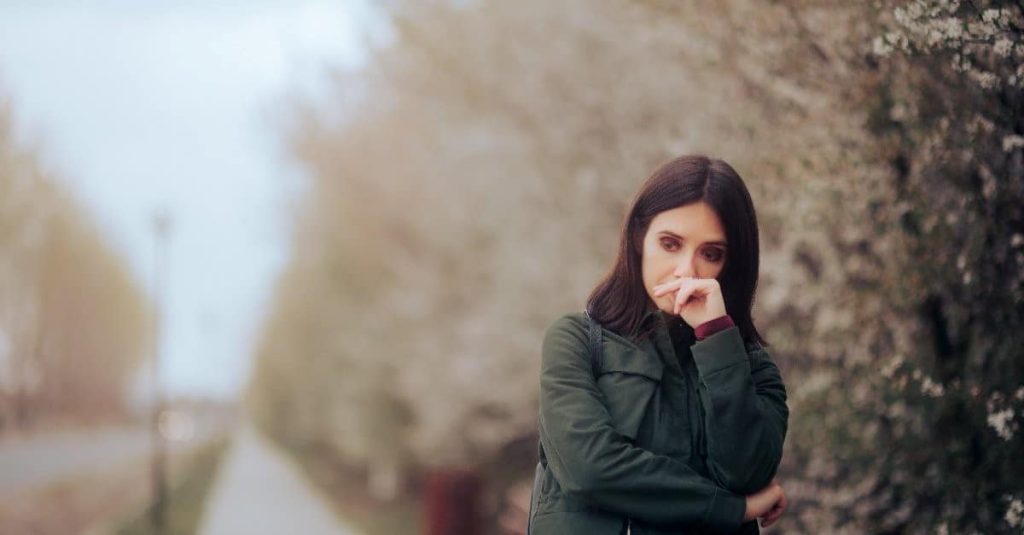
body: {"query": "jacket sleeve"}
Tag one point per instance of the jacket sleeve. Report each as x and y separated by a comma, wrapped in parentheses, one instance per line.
(592, 461)
(745, 411)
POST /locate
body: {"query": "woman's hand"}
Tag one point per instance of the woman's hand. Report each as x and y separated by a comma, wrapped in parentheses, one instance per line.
(697, 300)
(768, 504)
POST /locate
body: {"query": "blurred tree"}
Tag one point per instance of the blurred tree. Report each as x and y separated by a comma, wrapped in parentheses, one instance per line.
(469, 189)
(72, 320)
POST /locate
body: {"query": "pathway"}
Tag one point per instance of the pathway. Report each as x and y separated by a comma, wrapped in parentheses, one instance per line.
(261, 491)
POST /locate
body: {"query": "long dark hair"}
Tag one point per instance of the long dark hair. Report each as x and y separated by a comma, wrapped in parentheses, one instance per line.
(620, 302)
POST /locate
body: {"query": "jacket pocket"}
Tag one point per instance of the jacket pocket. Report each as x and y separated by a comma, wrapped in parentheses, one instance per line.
(628, 381)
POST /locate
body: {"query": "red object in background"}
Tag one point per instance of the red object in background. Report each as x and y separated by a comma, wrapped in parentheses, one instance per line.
(451, 502)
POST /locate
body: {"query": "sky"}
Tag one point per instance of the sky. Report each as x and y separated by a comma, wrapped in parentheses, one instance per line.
(177, 105)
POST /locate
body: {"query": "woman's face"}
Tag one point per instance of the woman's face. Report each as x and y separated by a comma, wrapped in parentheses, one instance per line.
(687, 241)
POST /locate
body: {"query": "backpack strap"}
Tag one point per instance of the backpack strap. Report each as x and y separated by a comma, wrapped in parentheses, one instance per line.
(594, 343)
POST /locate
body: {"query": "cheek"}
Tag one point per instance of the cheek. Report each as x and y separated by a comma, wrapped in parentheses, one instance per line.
(710, 270)
(650, 267)
(653, 261)
(646, 269)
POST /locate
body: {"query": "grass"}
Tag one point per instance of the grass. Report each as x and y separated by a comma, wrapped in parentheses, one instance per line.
(186, 497)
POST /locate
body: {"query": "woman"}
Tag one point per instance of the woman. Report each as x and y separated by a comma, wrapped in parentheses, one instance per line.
(677, 424)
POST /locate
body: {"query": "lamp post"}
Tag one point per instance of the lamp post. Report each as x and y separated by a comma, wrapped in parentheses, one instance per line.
(161, 232)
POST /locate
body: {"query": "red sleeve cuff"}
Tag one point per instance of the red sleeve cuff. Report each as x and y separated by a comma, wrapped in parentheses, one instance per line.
(710, 327)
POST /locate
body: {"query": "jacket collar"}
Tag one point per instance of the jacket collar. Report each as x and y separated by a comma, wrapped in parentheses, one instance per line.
(658, 327)
(661, 328)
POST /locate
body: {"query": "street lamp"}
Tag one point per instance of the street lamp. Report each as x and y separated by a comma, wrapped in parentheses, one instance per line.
(161, 232)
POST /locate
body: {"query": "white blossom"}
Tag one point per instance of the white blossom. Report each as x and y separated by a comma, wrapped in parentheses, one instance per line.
(937, 26)
(995, 15)
(931, 388)
(985, 79)
(881, 46)
(1001, 421)
(960, 63)
(890, 369)
(1003, 46)
(942, 30)
(898, 112)
(1012, 142)
(982, 30)
(1015, 513)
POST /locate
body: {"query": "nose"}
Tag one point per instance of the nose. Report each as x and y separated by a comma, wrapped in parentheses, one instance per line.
(685, 267)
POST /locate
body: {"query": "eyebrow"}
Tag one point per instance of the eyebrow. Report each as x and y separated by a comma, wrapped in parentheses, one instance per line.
(678, 237)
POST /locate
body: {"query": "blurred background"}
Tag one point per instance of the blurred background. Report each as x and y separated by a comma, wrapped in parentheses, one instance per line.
(286, 266)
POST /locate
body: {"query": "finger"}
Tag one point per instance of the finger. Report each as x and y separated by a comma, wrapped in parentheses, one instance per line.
(667, 287)
(665, 290)
(699, 288)
(770, 517)
(686, 293)
(704, 287)
(776, 511)
(682, 297)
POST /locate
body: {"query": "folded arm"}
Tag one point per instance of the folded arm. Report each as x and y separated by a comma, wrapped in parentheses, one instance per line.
(745, 411)
(591, 460)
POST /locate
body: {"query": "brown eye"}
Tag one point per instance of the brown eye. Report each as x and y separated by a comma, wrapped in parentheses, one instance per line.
(713, 255)
(669, 244)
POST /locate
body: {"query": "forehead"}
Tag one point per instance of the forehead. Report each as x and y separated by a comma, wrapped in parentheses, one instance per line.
(696, 221)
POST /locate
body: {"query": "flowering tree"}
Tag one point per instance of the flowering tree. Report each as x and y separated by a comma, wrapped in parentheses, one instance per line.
(472, 190)
(949, 120)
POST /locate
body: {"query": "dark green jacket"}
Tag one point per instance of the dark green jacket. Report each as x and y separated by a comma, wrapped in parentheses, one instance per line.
(671, 434)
